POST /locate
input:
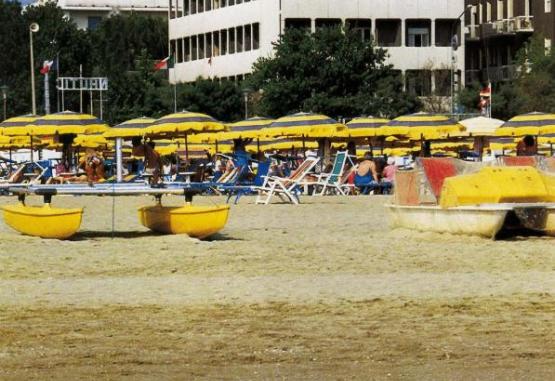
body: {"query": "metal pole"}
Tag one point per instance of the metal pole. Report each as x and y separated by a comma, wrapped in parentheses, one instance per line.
(80, 89)
(32, 57)
(119, 161)
(91, 100)
(5, 98)
(63, 101)
(46, 95)
(246, 106)
(101, 108)
(57, 76)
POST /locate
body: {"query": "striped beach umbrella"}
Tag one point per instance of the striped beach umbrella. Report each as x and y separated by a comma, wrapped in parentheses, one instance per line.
(306, 125)
(266, 145)
(364, 127)
(67, 122)
(247, 129)
(535, 123)
(17, 126)
(90, 141)
(129, 129)
(422, 125)
(184, 123)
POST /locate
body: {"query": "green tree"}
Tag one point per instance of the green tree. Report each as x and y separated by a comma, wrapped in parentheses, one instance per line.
(331, 72)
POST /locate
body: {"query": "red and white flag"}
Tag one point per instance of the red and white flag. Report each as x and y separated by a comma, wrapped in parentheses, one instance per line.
(166, 63)
(46, 66)
(486, 92)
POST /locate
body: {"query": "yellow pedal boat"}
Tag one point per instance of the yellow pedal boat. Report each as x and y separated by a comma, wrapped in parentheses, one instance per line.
(195, 221)
(43, 221)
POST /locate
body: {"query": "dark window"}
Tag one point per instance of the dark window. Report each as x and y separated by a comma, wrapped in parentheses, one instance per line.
(419, 82)
(187, 7)
(179, 57)
(173, 48)
(93, 22)
(445, 30)
(216, 42)
(193, 7)
(240, 41)
(442, 80)
(388, 32)
(187, 48)
(200, 6)
(223, 42)
(208, 5)
(201, 47)
(256, 36)
(298, 24)
(231, 39)
(208, 39)
(362, 27)
(328, 23)
(248, 38)
(418, 33)
(194, 48)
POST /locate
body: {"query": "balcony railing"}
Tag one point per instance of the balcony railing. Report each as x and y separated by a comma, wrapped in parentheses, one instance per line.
(501, 73)
(513, 25)
(473, 32)
(524, 24)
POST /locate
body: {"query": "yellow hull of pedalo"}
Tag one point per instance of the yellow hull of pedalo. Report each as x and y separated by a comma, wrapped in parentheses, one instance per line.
(195, 221)
(43, 221)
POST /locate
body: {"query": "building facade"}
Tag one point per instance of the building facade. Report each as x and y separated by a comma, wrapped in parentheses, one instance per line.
(87, 14)
(223, 38)
(497, 30)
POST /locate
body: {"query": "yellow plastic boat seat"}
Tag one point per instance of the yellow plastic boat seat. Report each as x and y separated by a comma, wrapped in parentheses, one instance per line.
(495, 185)
(43, 221)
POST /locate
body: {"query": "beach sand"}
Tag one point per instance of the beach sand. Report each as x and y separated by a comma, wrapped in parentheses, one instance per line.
(320, 291)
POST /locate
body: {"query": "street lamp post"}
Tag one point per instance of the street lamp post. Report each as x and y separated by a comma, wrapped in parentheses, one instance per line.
(246, 93)
(455, 43)
(33, 28)
(4, 90)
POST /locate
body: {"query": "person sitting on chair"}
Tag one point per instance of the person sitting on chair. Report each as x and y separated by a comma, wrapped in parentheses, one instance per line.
(366, 177)
(527, 146)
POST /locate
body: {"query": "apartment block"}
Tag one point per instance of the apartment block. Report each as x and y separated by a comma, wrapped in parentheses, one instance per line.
(497, 30)
(223, 38)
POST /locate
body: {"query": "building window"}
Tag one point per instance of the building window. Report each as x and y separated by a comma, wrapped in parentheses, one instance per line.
(194, 48)
(193, 7)
(442, 82)
(200, 6)
(305, 24)
(327, 23)
(362, 27)
(93, 22)
(231, 39)
(173, 48)
(445, 30)
(201, 47)
(388, 32)
(179, 57)
(223, 41)
(248, 38)
(418, 33)
(419, 82)
(208, 39)
(547, 6)
(208, 5)
(240, 41)
(187, 48)
(216, 42)
(256, 36)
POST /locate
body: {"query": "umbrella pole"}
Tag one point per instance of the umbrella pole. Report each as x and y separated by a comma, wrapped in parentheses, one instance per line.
(304, 148)
(177, 158)
(216, 145)
(11, 152)
(186, 149)
(258, 147)
(119, 161)
(550, 149)
(31, 148)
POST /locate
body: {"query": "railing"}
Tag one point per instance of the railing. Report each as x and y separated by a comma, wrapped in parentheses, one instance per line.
(501, 73)
(473, 31)
(524, 24)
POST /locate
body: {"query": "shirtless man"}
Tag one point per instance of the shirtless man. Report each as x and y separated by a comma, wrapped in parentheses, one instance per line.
(366, 176)
(153, 163)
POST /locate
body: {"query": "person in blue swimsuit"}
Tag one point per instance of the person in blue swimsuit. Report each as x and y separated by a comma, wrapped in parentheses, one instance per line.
(366, 177)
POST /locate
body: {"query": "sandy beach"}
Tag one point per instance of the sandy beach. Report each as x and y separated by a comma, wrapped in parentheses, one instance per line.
(320, 291)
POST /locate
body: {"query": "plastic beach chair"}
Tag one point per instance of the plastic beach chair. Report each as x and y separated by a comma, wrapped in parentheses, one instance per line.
(333, 180)
(287, 188)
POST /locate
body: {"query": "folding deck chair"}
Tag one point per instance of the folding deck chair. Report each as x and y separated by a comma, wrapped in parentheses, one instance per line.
(333, 180)
(288, 188)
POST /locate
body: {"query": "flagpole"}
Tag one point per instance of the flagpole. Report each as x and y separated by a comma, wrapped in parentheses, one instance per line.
(172, 60)
(57, 76)
(46, 94)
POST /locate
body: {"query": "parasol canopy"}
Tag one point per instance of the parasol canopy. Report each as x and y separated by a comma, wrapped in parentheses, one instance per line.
(183, 123)
(422, 125)
(480, 126)
(305, 125)
(129, 129)
(364, 127)
(247, 129)
(17, 126)
(535, 123)
(67, 122)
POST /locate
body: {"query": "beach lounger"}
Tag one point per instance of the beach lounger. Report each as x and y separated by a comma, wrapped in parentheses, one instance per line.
(333, 181)
(288, 188)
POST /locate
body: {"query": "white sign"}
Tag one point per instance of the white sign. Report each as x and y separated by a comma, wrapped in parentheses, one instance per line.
(86, 84)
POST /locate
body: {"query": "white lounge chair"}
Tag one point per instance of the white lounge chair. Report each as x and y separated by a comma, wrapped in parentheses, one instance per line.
(334, 180)
(286, 188)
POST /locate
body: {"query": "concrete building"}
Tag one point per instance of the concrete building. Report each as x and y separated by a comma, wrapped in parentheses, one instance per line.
(223, 38)
(497, 30)
(87, 14)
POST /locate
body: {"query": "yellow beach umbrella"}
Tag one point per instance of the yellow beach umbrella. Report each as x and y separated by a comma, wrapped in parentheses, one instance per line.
(535, 123)
(305, 125)
(422, 125)
(247, 129)
(267, 145)
(129, 129)
(184, 123)
(90, 141)
(67, 122)
(364, 127)
(17, 126)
